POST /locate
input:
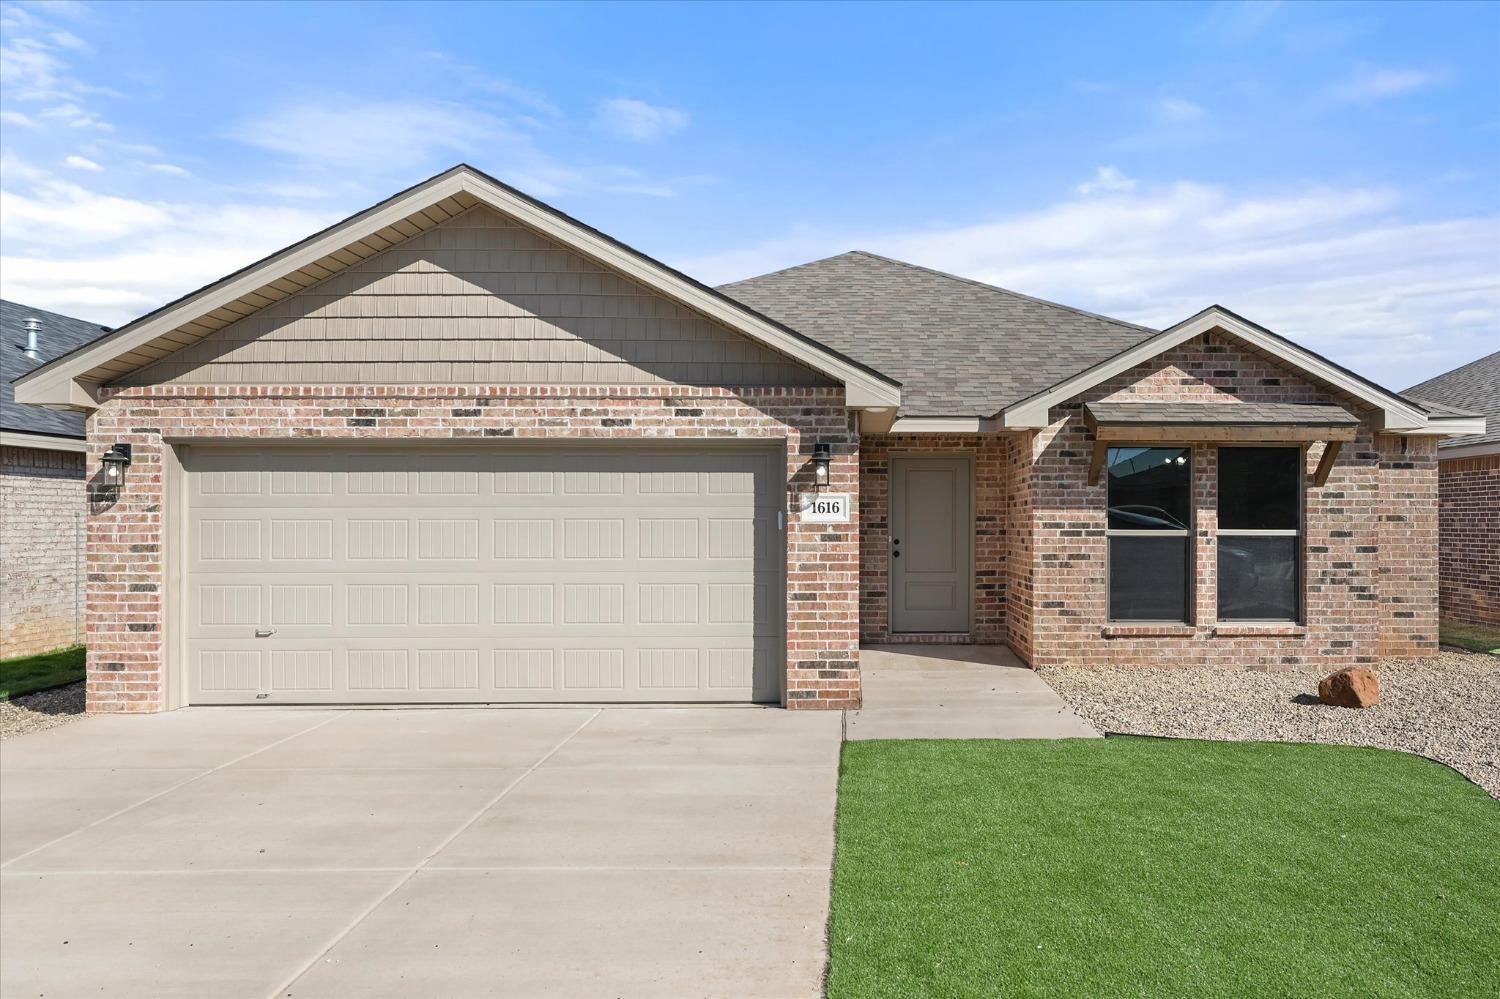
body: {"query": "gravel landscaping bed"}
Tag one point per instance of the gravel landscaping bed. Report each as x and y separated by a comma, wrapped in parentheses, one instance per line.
(44, 709)
(1446, 707)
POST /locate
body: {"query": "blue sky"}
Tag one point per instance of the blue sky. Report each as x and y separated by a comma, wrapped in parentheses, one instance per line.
(1331, 171)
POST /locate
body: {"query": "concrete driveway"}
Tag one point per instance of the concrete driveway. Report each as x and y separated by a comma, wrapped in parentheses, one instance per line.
(512, 852)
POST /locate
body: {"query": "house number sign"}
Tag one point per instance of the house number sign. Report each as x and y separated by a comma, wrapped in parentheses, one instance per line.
(825, 508)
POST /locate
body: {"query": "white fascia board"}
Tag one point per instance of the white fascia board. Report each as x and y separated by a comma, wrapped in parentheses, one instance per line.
(1447, 452)
(1448, 426)
(943, 425)
(51, 383)
(57, 390)
(42, 442)
(1397, 414)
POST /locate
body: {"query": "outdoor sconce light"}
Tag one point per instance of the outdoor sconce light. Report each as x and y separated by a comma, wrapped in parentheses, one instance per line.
(822, 458)
(115, 461)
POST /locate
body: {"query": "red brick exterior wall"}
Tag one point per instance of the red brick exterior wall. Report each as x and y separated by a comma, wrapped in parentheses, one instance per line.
(1020, 550)
(1369, 537)
(41, 549)
(991, 486)
(1408, 558)
(1469, 539)
(126, 609)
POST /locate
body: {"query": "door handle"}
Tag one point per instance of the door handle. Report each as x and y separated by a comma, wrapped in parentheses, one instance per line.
(264, 632)
(896, 554)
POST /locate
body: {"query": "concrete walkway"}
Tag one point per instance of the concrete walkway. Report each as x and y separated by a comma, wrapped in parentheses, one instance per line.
(259, 852)
(957, 692)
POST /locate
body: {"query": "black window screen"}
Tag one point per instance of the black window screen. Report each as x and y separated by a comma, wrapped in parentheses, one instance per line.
(1149, 527)
(1260, 538)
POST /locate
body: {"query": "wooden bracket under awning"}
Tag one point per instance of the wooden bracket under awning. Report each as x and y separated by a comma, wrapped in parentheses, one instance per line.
(1157, 424)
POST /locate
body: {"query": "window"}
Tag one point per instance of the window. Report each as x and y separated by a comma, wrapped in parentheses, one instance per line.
(1150, 532)
(1260, 533)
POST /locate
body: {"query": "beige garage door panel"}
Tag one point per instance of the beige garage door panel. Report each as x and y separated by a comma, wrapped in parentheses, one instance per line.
(479, 576)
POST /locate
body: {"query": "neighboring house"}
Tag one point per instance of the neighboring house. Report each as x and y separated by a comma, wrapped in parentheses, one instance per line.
(1468, 494)
(462, 447)
(41, 491)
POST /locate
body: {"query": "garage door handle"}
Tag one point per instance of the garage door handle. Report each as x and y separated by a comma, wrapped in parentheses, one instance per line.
(264, 632)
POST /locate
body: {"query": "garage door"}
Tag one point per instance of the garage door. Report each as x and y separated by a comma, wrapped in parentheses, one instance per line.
(457, 575)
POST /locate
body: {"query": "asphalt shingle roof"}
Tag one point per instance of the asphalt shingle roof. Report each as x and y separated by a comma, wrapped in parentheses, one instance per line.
(958, 347)
(1286, 414)
(59, 334)
(1475, 388)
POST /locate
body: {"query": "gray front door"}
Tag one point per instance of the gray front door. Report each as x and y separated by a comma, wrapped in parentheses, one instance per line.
(931, 544)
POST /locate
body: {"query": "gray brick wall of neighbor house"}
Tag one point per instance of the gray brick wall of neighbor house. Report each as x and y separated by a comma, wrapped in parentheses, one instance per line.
(41, 528)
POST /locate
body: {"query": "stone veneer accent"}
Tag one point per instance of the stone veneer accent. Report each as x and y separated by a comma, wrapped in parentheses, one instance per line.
(1469, 539)
(41, 549)
(991, 480)
(1370, 578)
(126, 611)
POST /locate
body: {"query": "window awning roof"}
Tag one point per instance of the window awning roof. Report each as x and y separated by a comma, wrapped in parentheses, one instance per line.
(1220, 423)
(1219, 414)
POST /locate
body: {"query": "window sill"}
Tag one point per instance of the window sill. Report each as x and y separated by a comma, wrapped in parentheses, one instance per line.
(1148, 630)
(1250, 629)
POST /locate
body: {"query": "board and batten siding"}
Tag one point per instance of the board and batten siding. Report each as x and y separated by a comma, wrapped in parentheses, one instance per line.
(478, 300)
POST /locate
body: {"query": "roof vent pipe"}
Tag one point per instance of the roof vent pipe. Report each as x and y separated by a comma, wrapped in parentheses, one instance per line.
(31, 350)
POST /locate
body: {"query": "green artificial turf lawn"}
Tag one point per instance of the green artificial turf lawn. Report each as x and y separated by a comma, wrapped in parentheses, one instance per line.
(1156, 868)
(25, 674)
(1474, 637)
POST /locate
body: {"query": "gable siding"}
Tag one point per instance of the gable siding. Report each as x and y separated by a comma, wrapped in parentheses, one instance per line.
(477, 300)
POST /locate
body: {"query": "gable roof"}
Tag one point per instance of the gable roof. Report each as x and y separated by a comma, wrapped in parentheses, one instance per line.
(1475, 387)
(960, 348)
(59, 335)
(73, 380)
(1397, 414)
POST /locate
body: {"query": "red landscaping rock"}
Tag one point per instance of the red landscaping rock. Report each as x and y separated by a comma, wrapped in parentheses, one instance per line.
(1350, 688)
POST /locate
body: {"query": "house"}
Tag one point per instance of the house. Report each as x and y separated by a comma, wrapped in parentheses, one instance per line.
(462, 447)
(1468, 494)
(41, 491)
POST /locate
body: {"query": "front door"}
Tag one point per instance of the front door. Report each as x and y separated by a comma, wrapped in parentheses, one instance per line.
(931, 544)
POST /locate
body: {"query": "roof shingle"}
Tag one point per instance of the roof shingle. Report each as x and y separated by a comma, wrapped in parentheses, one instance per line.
(59, 334)
(958, 347)
(1222, 414)
(1475, 388)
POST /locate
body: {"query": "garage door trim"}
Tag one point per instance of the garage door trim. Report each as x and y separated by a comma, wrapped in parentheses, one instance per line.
(178, 459)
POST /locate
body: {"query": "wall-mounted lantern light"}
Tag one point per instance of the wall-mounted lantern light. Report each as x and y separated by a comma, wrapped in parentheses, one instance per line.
(822, 458)
(115, 461)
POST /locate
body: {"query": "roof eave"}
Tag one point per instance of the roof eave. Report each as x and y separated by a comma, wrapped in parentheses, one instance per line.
(1452, 450)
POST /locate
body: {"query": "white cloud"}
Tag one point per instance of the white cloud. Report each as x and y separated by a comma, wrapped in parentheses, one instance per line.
(17, 120)
(110, 259)
(1235, 23)
(82, 163)
(398, 135)
(376, 140)
(170, 169)
(628, 118)
(68, 40)
(1369, 84)
(74, 116)
(60, 214)
(1177, 109)
(1107, 180)
(1338, 269)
